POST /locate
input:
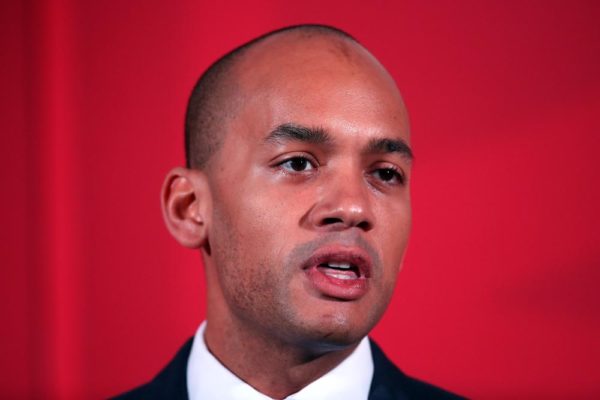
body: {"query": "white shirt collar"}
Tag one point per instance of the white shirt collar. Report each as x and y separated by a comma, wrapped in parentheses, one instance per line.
(208, 379)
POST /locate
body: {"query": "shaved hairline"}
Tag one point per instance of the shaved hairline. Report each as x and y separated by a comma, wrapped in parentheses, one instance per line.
(217, 95)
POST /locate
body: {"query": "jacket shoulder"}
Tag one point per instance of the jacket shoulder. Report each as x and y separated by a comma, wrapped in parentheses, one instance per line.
(389, 383)
(170, 383)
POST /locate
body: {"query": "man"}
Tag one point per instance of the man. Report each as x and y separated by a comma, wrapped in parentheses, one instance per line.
(296, 192)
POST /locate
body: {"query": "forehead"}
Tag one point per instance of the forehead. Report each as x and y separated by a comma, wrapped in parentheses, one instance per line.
(318, 80)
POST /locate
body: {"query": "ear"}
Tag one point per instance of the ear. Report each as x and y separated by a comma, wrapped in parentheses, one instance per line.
(186, 202)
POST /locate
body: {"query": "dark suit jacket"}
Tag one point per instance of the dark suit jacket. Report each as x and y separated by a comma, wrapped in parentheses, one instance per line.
(389, 383)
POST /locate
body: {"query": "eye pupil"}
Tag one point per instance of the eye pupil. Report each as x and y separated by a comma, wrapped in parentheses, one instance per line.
(386, 174)
(298, 163)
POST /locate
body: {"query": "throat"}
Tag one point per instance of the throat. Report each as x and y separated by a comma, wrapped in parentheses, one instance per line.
(276, 370)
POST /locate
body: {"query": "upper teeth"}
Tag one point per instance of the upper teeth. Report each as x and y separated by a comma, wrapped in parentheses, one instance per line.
(339, 265)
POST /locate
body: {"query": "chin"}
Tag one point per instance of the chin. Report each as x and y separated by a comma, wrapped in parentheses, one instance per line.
(336, 331)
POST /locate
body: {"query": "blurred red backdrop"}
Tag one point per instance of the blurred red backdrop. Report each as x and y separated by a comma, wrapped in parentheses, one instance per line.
(499, 294)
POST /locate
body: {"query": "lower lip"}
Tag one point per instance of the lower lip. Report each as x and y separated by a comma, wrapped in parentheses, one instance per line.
(342, 289)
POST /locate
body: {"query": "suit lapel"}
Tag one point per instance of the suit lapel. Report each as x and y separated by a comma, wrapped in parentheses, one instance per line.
(171, 382)
(387, 379)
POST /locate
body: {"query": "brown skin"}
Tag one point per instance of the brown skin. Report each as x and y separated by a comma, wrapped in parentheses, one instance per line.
(257, 219)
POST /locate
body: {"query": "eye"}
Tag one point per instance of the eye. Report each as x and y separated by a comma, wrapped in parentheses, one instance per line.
(389, 175)
(297, 164)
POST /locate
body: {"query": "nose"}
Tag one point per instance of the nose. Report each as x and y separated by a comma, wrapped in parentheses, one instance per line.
(343, 202)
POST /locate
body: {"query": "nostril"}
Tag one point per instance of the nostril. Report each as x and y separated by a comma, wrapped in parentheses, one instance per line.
(364, 225)
(331, 221)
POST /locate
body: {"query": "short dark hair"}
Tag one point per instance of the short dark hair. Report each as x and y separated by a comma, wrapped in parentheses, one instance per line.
(210, 102)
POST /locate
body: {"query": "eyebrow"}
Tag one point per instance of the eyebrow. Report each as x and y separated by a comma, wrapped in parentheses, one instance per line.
(386, 145)
(292, 132)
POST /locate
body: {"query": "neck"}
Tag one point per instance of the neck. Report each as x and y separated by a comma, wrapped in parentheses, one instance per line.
(273, 367)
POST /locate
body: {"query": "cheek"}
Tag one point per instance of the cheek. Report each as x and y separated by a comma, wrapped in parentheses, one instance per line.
(395, 226)
(394, 241)
(246, 240)
(246, 211)
(246, 263)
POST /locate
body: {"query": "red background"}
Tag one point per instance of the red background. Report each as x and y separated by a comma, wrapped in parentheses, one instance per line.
(499, 294)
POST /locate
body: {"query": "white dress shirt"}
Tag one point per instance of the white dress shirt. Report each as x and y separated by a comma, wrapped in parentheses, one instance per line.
(208, 379)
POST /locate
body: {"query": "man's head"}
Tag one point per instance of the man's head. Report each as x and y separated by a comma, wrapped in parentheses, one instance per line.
(297, 192)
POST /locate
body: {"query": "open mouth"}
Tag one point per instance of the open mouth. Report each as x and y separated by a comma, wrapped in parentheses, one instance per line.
(339, 270)
(339, 273)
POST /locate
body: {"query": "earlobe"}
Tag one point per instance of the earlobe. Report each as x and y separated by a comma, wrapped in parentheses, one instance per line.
(185, 201)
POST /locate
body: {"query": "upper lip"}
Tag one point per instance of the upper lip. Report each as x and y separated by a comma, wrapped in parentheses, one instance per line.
(353, 255)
